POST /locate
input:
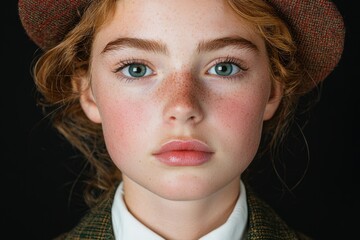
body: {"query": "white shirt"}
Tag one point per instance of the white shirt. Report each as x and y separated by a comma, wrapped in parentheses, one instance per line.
(127, 227)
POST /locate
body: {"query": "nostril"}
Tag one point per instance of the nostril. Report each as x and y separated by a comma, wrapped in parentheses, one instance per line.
(190, 118)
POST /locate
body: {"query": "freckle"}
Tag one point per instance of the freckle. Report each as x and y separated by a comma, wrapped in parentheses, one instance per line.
(180, 84)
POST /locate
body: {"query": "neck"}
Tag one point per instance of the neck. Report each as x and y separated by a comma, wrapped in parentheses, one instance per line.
(190, 219)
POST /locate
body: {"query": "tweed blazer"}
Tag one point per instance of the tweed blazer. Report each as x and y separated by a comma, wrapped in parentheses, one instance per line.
(263, 223)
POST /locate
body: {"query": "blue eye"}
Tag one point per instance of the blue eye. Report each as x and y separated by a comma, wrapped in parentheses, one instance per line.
(224, 69)
(136, 70)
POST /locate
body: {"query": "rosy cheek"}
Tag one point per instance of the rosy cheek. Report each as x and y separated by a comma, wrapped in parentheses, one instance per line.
(241, 118)
(123, 124)
(239, 111)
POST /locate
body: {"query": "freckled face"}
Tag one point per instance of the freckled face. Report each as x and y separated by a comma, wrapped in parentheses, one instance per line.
(179, 70)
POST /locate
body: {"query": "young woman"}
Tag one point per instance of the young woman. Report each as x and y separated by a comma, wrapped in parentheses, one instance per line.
(170, 102)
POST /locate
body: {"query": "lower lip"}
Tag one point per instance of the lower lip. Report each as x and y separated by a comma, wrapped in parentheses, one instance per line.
(184, 158)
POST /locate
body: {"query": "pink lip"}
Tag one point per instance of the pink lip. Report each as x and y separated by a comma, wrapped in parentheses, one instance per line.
(184, 153)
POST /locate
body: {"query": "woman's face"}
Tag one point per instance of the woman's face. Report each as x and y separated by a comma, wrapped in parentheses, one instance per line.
(181, 89)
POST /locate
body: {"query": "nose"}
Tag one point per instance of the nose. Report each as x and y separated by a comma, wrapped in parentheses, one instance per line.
(183, 100)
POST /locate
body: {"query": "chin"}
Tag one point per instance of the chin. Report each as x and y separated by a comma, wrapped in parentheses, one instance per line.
(185, 188)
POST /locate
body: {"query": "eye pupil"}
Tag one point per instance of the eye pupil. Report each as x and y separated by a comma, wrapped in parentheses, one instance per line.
(224, 69)
(137, 70)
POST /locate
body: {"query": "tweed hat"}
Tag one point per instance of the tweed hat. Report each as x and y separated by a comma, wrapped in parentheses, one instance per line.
(316, 25)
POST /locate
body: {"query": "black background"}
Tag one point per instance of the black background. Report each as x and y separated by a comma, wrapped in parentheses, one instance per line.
(39, 168)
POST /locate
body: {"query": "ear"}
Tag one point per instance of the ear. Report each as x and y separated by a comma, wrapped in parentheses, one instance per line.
(274, 101)
(87, 100)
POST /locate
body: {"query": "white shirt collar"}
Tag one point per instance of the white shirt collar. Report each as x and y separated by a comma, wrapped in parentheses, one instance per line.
(127, 227)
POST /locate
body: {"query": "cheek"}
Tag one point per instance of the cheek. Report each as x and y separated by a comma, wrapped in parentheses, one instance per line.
(124, 123)
(241, 118)
(241, 113)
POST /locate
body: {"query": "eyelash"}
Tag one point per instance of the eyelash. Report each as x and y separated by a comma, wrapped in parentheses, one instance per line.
(231, 60)
(126, 63)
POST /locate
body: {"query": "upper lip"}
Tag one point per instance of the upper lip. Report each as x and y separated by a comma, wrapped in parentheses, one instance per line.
(184, 145)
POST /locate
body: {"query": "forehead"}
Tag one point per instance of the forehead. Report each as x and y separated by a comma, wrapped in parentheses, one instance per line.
(175, 20)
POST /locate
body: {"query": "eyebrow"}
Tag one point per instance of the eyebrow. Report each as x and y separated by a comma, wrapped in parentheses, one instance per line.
(143, 44)
(158, 47)
(238, 42)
